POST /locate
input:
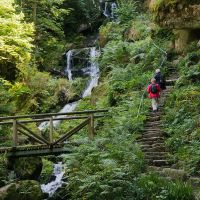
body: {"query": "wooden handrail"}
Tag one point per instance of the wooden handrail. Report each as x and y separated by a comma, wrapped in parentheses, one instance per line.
(71, 132)
(32, 133)
(31, 136)
(47, 119)
(53, 114)
(51, 143)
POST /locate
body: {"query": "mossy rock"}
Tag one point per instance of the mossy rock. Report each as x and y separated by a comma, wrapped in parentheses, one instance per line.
(3, 171)
(47, 171)
(22, 190)
(28, 168)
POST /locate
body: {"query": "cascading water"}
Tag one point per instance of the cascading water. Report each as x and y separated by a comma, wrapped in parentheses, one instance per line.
(51, 187)
(69, 55)
(109, 9)
(93, 71)
(113, 11)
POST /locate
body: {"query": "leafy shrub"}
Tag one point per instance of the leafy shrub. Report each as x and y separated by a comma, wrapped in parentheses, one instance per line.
(182, 115)
(127, 10)
(153, 187)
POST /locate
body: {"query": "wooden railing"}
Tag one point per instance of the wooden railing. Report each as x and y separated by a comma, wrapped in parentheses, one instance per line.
(18, 124)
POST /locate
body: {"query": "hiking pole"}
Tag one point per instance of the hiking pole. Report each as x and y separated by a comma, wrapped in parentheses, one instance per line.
(141, 102)
(165, 56)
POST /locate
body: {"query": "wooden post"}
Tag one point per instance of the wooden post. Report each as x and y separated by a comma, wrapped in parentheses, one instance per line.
(51, 130)
(91, 127)
(15, 136)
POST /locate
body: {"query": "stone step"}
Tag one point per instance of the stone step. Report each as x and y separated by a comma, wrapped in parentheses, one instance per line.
(151, 139)
(152, 129)
(154, 114)
(155, 157)
(153, 124)
(150, 142)
(160, 163)
(153, 149)
(153, 118)
(145, 146)
(158, 144)
(157, 162)
(171, 81)
(156, 153)
(150, 135)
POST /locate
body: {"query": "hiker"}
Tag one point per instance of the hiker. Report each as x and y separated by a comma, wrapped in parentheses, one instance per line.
(160, 80)
(154, 93)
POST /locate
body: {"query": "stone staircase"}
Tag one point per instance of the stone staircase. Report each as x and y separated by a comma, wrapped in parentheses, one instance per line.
(153, 137)
(152, 144)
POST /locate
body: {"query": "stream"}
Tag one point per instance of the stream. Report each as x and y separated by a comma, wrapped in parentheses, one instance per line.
(92, 70)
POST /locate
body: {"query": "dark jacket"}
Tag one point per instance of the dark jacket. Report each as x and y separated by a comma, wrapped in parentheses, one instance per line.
(160, 80)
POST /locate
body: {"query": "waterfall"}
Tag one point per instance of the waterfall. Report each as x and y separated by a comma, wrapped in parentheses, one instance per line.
(109, 9)
(51, 187)
(106, 11)
(92, 70)
(113, 11)
(69, 55)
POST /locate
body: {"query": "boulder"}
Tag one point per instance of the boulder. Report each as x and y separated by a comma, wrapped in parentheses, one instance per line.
(22, 190)
(28, 168)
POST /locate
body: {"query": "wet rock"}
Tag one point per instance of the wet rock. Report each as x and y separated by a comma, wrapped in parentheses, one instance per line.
(23, 190)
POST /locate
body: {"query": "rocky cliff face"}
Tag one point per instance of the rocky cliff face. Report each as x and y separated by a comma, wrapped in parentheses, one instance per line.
(180, 15)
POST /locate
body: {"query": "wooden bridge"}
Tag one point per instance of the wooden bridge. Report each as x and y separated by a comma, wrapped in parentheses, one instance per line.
(39, 145)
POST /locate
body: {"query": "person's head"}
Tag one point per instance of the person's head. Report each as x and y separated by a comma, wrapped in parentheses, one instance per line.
(157, 70)
(153, 80)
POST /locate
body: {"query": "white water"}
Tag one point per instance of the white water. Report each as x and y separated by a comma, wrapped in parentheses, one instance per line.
(51, 187)
(113, 8)
(92, 70)
(69, 63)
(110, 10)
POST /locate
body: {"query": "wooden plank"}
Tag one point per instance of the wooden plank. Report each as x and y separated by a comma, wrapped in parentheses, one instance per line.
(15, 136)
(54, 114)
(32, 133)
(91, 127)
(51, 130)
(72, 132)
(31, 136)
(39, 152)
(47, 119)
(32, 147)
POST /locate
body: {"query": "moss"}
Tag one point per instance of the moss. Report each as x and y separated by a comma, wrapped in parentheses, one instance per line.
(158, 5)
(47, 171)
(3, 171)
(22, 190)
(111, 31)
(78, 85)
(28, 168)
(29, 190)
